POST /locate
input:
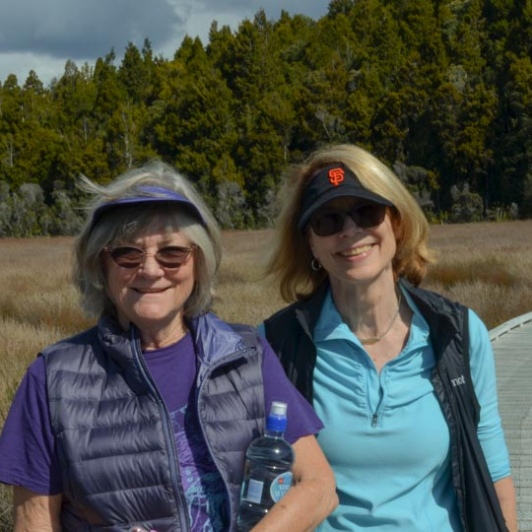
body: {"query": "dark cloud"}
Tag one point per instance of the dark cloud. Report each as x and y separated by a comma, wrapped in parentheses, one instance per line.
(312, 8)
(41, 35)
(83, 28)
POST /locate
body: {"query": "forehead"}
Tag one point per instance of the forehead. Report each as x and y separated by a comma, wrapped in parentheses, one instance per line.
(126, 226)
(159, 231)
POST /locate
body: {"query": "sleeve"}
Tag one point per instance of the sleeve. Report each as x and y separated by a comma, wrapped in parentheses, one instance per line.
(302, 420)
(490, 430)
(27, 445)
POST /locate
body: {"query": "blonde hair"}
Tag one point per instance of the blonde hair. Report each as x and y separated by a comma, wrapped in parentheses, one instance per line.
(119, 226)
(290, 261)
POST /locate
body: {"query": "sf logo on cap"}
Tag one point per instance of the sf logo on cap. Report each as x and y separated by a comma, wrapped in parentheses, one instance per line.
(336, 176)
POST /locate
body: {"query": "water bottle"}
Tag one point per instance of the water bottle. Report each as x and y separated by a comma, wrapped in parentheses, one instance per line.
(267, 470)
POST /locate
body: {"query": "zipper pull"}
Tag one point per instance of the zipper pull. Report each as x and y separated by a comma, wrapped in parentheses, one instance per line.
(374, 420)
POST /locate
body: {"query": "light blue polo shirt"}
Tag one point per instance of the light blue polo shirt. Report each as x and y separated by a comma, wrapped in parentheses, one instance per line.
(385, 435)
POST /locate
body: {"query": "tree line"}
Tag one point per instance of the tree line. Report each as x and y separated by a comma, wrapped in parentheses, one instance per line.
(440, 90)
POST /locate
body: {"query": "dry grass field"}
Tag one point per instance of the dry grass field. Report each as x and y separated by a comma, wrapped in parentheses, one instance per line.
(485, 266)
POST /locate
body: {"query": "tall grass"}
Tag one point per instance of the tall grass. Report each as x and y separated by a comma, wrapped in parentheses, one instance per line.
(485, 266)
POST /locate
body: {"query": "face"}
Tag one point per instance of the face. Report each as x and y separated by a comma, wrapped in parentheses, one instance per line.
(353, 254)
(153, 294)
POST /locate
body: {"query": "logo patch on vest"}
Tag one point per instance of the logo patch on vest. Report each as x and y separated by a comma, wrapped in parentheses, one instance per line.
(458, 381)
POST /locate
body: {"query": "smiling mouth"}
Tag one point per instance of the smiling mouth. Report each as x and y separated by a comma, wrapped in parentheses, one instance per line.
(355, 252)
(148, 291)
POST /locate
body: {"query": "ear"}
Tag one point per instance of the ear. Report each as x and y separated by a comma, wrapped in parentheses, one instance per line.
(310, 240)
(395, 220)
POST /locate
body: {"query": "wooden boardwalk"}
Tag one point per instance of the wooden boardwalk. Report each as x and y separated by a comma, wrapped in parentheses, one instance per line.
(512, 345)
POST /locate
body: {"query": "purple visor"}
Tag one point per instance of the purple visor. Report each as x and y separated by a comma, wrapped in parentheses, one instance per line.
(148, 194)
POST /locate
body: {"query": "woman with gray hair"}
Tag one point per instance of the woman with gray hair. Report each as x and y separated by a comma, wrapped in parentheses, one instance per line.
(142, 422)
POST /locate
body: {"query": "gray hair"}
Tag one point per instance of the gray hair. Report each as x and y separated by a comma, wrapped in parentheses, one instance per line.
(121, 225)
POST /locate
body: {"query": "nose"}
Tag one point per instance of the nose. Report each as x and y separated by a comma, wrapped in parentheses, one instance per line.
(350, 225)
(150, 266)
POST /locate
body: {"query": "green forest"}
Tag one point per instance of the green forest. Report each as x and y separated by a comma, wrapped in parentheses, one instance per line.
(440, 90)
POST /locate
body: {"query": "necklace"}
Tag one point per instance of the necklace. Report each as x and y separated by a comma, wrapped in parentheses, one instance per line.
(374, 339)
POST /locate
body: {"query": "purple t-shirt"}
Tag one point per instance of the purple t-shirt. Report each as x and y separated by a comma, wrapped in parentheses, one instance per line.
(27, 445)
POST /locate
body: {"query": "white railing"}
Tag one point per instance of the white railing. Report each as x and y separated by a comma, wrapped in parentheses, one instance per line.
(514, 323)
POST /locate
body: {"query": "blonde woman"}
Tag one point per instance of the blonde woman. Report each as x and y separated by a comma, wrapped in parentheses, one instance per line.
(402, 378)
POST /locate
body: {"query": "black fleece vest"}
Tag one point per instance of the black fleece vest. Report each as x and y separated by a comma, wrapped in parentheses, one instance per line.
(290, 333)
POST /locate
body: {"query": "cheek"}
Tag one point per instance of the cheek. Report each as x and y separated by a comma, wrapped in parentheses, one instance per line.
(321, 248)
(114, 284)
(111, 288)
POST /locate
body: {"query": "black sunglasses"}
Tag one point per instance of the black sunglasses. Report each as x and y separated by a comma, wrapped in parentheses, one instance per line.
(170, 257)
(329, 223)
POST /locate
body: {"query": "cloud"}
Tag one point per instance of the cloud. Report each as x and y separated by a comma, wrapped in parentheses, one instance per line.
(42, 35)
(273, 8)
(81, 28)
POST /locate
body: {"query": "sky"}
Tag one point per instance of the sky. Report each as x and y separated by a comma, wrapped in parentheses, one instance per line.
(41, 35)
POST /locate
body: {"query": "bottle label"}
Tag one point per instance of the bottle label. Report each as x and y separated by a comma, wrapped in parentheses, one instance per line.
(280, 485)
(254, 491)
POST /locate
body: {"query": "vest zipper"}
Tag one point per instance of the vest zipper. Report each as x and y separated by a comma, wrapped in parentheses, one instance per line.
(168, 435)
(203, 375)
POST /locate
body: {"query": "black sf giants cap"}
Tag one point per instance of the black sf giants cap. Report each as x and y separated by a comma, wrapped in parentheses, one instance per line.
(331, 182)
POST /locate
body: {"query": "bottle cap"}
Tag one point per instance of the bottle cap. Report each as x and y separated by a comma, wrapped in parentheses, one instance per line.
(278, 408)
(277, 421)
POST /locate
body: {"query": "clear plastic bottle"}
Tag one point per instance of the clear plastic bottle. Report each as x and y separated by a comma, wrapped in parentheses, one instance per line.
(268, 470)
